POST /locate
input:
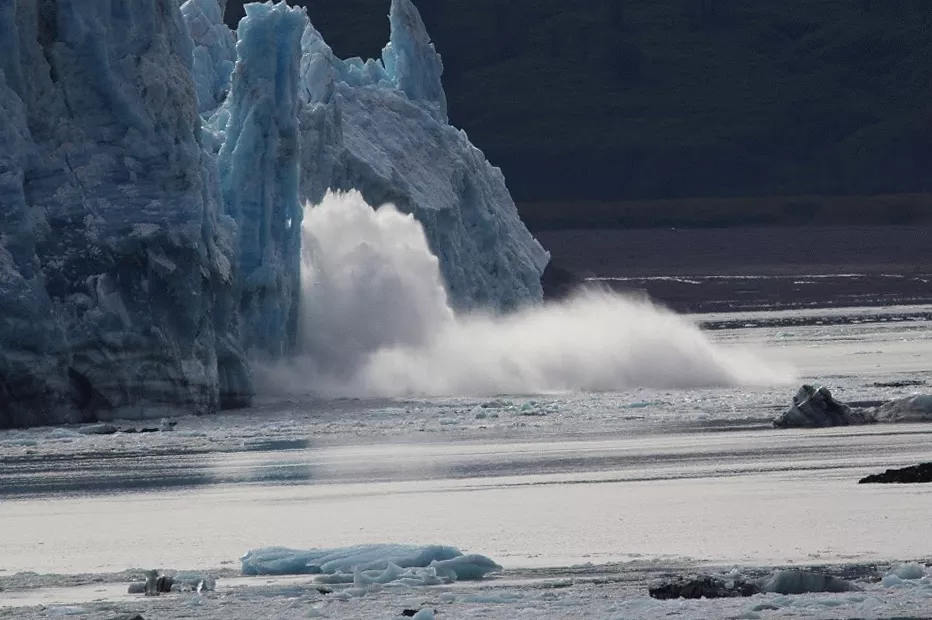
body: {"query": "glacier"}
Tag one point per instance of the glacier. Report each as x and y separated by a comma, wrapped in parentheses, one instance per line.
(116, 260)
(153, 167)
(380, 127)
(299, 122)
(258, 164)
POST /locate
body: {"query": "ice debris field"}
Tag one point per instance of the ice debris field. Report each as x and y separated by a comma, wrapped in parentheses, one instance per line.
(608, 592)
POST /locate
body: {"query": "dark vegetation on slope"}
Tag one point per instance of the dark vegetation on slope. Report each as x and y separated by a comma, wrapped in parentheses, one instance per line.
(634, 99)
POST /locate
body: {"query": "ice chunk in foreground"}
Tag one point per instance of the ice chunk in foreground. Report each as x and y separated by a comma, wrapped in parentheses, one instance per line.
(814, 406)
(367, 564)
(916, 408)
(115, 264)
(910, 570)
(380, 127)
(803, 581)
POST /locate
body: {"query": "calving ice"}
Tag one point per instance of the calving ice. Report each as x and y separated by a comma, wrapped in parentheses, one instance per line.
(377, 320)
(155, 167)
(148, 249)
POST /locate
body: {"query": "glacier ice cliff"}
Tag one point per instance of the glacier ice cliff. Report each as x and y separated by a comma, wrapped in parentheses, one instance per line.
(298, 122)
(153, 165)
(380, 127)
(115, 261)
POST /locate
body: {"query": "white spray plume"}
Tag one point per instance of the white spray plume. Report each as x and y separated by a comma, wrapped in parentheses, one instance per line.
(376, 322)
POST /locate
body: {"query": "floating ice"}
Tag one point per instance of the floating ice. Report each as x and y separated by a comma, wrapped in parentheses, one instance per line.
(814, 406)
(910, 570)
(371, 564)
(803, 581)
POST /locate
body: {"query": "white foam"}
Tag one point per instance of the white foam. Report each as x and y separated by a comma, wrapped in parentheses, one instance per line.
(376, 322)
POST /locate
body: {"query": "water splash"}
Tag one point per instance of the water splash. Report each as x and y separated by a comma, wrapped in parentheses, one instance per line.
(375, 322)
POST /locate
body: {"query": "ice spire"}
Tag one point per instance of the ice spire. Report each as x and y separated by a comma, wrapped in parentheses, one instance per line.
(258, 166)
(411, 60)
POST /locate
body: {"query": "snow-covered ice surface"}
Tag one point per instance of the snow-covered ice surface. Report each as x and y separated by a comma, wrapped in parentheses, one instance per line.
(582, 498)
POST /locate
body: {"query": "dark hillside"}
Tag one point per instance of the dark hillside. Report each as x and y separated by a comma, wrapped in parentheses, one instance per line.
(631, 99)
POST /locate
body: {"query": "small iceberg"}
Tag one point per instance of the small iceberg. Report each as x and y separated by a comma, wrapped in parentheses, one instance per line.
(815, 407)
(372, 564)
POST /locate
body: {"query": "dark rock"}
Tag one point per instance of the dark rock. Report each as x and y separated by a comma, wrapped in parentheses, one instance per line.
(128, 430)
(765, 607)
(128, 617)
(148, 430)
(409, 613)
(815, 407)
(915, 474)
(899, 384)
(155, 584)
(703, 586)
(164, 584)
(559, 283)
(325, 590)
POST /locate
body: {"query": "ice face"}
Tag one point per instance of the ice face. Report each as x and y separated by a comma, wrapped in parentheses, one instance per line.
(380, 128)
(140, 254)
(258, 165)
(299, 121)
(214, 52)
(113, 253)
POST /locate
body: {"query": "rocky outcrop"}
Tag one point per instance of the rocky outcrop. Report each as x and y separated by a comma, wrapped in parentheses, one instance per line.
(793, 581)
(906, 475)
(703, 586)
